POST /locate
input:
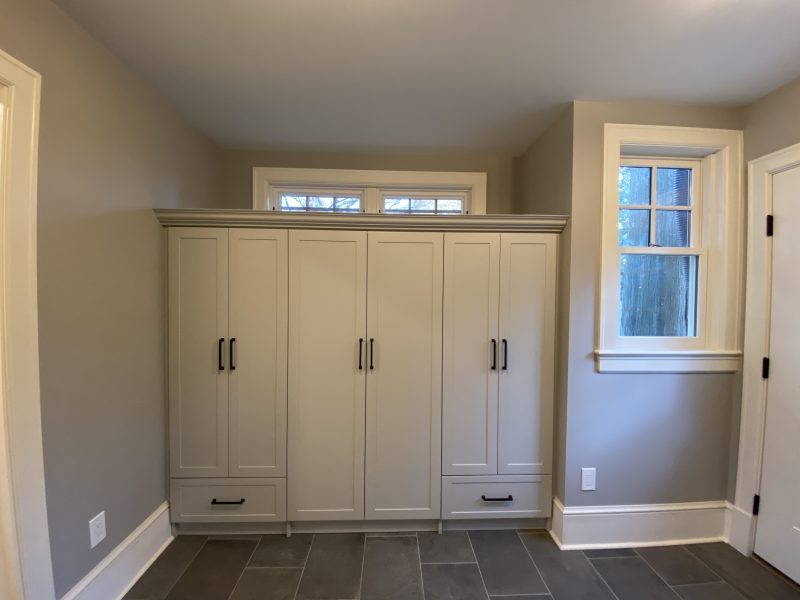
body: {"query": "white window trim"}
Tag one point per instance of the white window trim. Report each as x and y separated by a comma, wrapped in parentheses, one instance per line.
(717, 346)
(267, 180)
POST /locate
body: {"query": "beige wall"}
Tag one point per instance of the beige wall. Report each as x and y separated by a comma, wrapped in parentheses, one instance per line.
(543, 184)
(773, 122)
(235, 189)
(110, 150)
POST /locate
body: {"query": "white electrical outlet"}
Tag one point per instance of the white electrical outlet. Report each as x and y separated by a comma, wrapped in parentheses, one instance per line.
(588, 479)
(97, 529)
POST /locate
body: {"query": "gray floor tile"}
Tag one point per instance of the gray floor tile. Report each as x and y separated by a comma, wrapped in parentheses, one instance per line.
(717, 590)
(448, 547)
(391, 569)
(333, 568)
(523, 597)
(632, 579)
(280, 551)
(158, 580)
(391, 534)
(610, 553)
(452, 582)
(567, 573)
(214, 571)
(274, 583)
(751, 579)
(506, 567)
(676, 565)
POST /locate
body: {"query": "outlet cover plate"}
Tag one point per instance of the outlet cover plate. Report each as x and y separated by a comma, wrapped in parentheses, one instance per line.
(97, 529)
(588, 479)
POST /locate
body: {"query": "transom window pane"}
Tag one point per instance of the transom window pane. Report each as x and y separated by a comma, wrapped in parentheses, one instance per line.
(422, 206)
(634, 185)
(658, 295)
(320, 203)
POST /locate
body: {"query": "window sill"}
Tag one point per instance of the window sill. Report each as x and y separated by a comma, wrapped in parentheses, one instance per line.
(712, 361)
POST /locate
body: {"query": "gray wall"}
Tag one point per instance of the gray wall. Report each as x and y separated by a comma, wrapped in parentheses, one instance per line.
(235, 189)
(652, 438)
(109, 151)
(773, 122)
(543, 184)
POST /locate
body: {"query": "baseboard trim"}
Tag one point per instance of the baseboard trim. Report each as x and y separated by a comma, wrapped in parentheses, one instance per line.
(740, 529)
(590, 527)
(117, 572)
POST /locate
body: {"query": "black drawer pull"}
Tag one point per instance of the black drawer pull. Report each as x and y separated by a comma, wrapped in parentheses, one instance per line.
(505, 356)
(509, 498)
(215, 501)
(360, 354)
(230, 359)
(371, 354)
(493, 366)
(220, 364)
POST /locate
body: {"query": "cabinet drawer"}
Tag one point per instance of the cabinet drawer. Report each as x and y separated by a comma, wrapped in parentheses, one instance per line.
(474, 497)
(227, 500)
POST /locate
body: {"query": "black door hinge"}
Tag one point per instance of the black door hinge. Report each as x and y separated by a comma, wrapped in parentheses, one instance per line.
(765, 368)
(756, 503)
(770, 225)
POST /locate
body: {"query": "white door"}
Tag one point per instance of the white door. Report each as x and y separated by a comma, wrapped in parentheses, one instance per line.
(257, 323)
(470, 353)
(198, 335)
(404, 380)
(526, 353)
(327, 331)
(778, 527)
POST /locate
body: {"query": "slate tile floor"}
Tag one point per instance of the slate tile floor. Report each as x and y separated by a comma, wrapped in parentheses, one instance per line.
(475, 565)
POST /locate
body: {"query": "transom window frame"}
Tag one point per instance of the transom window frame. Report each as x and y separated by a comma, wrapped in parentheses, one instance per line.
(717, 239)
(373, 185)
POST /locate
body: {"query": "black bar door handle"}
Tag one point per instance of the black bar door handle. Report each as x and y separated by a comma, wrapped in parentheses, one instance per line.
(493, 366)
(221, 502)
(371, 354)
(508, 498)
(505, 356)
(360, 354)
(220, 364)
(230, 359)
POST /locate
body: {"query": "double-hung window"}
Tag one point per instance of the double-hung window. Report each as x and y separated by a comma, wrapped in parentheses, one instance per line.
(671, 263)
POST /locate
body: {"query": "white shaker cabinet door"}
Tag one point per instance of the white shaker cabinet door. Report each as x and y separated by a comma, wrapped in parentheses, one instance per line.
(526, 354)
(258, 321)
(198, 332)
(470, 353)
(404, 376)
(327, 318)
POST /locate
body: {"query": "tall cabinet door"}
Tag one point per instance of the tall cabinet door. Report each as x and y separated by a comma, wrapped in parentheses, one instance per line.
(527, 321)
(470, 339)
(258, 322)
(327, 318)
(404, 314)
(198, 332)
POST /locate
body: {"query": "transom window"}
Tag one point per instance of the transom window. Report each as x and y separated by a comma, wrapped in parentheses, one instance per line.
(319, 202)
(658, 230)
(421, 205)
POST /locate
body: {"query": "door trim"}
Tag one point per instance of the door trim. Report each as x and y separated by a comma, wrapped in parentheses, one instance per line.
(24, 533)
(756, 341)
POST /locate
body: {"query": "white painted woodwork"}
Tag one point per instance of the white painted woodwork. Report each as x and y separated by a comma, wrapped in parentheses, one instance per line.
(198, 318)
(778, 531)
(527, 321)
(463, 497)
(258, 321)
(327, 316)
(470, 323)
(264, 500)
(403, 427)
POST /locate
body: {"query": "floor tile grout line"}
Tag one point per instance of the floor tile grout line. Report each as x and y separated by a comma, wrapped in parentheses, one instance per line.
(305, 562)
(535, 566)
(270, 567)
(258, 543)
(717, 573)
(477, 565)
(189, 564)
(657, 574)
(249, 558)
(445, 562)
(603, 579)
(419, 557)
(363, 560)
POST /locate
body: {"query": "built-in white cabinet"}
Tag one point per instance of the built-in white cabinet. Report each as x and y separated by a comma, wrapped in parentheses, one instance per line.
(227, 352)
(498, 361)
(332, 374)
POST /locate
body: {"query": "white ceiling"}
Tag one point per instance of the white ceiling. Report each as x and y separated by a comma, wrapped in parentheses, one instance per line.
(437, 74)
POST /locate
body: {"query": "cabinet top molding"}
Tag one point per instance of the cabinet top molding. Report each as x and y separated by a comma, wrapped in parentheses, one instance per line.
(360, 221)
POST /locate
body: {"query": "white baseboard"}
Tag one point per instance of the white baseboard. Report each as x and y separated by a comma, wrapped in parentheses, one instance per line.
(740, 529)
(117, 572)
(586, 527)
